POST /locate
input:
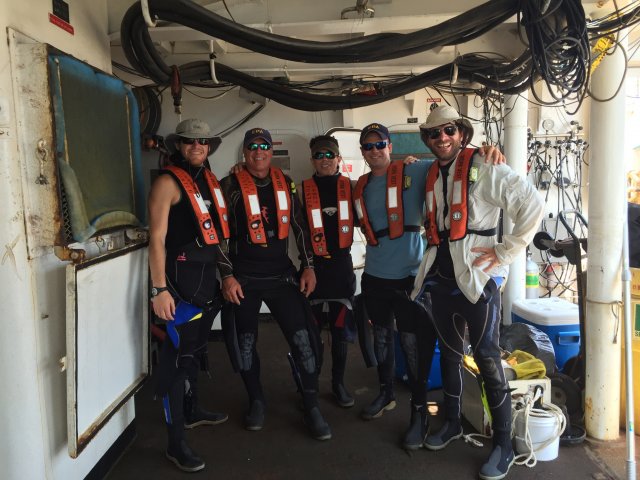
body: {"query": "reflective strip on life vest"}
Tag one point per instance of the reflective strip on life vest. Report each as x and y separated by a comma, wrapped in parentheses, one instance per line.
(314, 215)
(395, 213)
(200, 211)
(252, 204)
(345, 213)
(459, 208)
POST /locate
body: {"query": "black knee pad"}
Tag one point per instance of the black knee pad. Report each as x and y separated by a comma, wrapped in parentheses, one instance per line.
(307, 357)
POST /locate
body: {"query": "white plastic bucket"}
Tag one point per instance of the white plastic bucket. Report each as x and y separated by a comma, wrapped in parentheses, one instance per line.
(543, 428)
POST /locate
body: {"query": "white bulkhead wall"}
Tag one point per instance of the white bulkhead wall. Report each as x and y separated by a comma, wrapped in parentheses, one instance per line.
(33, 393)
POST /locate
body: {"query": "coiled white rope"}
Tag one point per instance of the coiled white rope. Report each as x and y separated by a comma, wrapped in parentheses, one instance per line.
(525, 406)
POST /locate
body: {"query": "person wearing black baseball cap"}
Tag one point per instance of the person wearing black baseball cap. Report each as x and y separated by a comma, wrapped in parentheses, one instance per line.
(263, 207)
(187, 221)
(326, 198)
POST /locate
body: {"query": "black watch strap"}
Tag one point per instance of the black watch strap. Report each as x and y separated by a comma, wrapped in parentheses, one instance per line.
(155, 291)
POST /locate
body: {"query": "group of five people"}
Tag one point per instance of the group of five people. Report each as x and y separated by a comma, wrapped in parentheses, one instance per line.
(240, 227)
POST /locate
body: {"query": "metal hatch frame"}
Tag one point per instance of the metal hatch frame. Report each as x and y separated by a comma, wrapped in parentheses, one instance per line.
(106, 301)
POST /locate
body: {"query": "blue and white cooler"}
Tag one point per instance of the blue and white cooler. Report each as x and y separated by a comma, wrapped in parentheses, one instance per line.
(557, 317)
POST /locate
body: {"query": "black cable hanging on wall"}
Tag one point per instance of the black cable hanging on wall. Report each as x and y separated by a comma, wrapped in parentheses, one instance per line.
(557, 39)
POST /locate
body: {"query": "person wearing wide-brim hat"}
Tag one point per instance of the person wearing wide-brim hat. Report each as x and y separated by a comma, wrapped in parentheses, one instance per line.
(188, 130)
(465, 266)
(187, 221)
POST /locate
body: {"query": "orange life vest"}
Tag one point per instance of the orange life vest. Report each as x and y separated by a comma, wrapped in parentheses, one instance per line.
(314, 215)
(459, 208)
(395, 213)
(252, 204)
(201, 214)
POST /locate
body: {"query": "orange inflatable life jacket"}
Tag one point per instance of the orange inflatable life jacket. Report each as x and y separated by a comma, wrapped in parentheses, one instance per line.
(314, 215)
(459, 208)
(252, 204)
(201, 214)
(395, 213)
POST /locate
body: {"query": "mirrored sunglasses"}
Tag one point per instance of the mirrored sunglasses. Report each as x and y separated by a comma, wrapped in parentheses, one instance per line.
(321, 155)
(378, 145)
(262, 146)
(433, 133)
(191, 141)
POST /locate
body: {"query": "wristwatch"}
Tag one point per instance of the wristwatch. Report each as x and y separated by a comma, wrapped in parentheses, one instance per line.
(155, 291)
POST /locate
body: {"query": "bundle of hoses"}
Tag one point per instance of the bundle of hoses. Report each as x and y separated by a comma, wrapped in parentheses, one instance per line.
(557, 37)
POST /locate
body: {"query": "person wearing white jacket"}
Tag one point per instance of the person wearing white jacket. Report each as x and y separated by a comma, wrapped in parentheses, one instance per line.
(464, 267)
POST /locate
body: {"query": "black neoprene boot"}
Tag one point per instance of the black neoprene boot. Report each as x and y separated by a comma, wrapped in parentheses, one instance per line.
(316, 424)
(177, 449)
(179, 452)
(338, 365)
(384, 401)
(195, 416)
(450, 431)
(254, 419)
(415, 435)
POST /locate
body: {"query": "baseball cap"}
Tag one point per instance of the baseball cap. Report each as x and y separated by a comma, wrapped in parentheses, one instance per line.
(325, 143)
(253, 134)
(377, 128)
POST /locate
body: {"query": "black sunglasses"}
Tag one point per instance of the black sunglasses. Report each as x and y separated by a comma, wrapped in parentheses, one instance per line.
(378, 145)
(262, 146)
(321, 155)
(191, 141)
(433, 133)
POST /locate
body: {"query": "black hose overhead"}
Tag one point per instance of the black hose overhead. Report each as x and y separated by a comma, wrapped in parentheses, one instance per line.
(371, 48)
(557, 39)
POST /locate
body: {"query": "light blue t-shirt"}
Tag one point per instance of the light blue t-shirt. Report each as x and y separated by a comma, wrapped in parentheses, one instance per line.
(398, 258)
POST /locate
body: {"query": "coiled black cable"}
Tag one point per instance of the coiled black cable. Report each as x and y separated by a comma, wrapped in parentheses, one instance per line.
(557, 40)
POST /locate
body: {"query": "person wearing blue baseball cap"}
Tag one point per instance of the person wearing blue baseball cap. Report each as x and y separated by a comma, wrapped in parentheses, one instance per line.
(263, 208)
(389, 203)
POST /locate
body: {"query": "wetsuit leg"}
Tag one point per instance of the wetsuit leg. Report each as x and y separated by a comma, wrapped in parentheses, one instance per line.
(484, 328)
(378, 301)
(450, 326)
(286, 305)
(246, 316)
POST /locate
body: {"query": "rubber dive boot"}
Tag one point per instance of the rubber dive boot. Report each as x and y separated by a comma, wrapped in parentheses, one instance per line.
(183, 457)
(450, 431)
(316, 424)
(343, 398)
(498, 464)
(195, 416)
(415, 436)
(254, 419)
(384, 401)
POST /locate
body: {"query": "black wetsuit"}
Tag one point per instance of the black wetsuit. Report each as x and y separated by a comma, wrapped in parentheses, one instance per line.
(191, 277)
(266, 273)
(332, 300)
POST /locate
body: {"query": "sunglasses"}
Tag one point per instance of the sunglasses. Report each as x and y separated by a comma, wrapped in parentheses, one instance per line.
(378, 145)
(191, 141)
(433, 133)
(321, 155)
(262, 146)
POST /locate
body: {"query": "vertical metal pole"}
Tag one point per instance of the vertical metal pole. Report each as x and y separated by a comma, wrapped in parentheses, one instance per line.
(628, 354)
(602, 326)
(515, 149)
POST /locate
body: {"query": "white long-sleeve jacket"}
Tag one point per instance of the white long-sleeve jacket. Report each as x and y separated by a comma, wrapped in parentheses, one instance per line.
(497, 187)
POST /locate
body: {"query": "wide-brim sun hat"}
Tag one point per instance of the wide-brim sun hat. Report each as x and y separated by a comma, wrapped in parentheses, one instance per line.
(193, 128)
(441, 116)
